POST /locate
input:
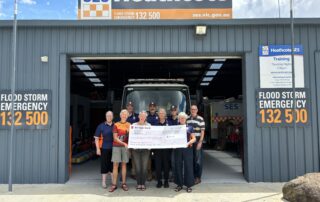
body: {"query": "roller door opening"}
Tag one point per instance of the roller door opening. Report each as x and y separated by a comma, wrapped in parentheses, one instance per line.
(215, 86)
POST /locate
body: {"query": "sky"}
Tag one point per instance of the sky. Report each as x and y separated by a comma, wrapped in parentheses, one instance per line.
(55, 9)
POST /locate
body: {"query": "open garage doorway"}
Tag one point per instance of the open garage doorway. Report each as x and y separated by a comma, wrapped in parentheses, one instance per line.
(215, 86)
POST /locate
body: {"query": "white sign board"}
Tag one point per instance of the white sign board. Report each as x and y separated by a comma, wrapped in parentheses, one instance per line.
(157, 137)
(276, 66)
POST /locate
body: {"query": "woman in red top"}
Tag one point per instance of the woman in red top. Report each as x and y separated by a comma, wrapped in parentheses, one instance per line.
(120, 150)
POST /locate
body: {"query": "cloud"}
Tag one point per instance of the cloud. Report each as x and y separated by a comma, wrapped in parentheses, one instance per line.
(30, 2)
(270, 8)
(307, 8)
(255, 8)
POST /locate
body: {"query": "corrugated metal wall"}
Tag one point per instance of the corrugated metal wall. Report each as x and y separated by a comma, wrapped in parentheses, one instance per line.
(40, 155)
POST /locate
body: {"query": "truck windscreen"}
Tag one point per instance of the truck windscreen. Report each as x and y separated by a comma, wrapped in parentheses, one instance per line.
(163, 98)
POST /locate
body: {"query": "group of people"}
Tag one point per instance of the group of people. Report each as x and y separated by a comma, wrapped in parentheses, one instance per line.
(185, 163)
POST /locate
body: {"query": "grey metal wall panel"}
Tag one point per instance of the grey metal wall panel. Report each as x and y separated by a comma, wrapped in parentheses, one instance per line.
(249, 124)
(317, 91)
(272, 154)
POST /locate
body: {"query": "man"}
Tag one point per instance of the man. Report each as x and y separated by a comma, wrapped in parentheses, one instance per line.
(133, 118)
(198, 125)
(173, 120)
(152, 114)
(153, 119)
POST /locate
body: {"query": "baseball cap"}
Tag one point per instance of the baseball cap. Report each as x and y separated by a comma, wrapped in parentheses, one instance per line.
(173, 107)
(152, 104)
(130, 103)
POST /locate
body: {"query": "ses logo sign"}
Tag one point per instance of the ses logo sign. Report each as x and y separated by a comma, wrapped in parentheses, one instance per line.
(154, 9)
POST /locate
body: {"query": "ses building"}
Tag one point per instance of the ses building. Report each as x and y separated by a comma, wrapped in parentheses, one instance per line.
(46, 49)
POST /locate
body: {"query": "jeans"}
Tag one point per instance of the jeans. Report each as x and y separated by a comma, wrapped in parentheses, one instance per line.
(141, 158)
(197, 160)
(184, 167)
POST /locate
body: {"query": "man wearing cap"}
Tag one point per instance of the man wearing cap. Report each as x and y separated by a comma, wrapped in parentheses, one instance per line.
(173, 118)
(153, 119)
(132, 118)
(198, 124)
(172, 121)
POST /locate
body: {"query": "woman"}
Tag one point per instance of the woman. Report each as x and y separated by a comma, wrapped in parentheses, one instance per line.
(141, 157)
(120, 150)
(162, 156)
(184, 158)
(105, 130)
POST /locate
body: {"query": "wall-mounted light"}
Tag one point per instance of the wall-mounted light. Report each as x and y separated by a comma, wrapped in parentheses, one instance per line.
(201, 30)
(44, 58)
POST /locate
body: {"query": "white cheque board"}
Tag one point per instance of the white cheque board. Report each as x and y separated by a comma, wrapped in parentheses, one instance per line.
(157, 137)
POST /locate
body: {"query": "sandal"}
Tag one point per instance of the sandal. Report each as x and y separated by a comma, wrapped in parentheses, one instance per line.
(177, 189)
(124, 187)
(189, 190)
(139, 188)
(113, 188)
(143, 188)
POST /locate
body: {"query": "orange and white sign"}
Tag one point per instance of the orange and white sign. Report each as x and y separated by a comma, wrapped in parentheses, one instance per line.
(155, 9)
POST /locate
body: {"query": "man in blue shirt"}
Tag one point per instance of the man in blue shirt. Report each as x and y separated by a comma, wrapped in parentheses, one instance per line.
(133, 117)
(105, 131)
(152, 118)
(173, 118)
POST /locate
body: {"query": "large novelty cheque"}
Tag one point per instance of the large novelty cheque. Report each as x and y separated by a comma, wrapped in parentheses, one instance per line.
(157, 137)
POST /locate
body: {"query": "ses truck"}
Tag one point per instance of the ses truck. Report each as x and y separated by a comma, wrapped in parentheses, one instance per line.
(163, 92)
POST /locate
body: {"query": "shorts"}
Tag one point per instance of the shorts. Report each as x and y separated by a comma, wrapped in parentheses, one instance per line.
(120, 154)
